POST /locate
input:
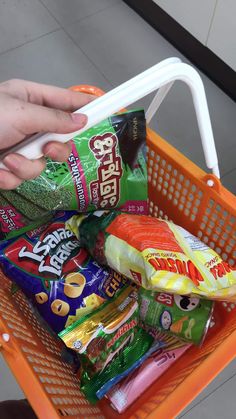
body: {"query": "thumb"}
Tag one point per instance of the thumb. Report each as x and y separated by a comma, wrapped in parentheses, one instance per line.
(31, 118)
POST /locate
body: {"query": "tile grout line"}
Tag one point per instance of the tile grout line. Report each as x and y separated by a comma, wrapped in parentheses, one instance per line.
(89, 59)
(228, 173)
(80, 19)
(69, 36)
(208, 395)
(211, 22)
(28, 42)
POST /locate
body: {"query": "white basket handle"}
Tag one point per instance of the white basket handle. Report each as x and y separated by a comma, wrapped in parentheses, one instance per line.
(160, 76)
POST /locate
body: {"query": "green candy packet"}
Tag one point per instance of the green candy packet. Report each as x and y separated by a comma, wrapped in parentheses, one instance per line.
(185, 317)
(127, 360)
(108, 341)
(106, 169)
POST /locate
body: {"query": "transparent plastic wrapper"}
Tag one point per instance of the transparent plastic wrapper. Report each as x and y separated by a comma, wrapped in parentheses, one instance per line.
(123, 394)
(109, 342)
(106, 169)
(59, 277)
(101, 392)
(156, 254)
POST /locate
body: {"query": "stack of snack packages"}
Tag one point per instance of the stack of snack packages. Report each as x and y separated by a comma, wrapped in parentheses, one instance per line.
(128, 294)
(175, 279)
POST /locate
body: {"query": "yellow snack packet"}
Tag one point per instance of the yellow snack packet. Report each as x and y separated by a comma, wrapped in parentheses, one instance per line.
(156, 254)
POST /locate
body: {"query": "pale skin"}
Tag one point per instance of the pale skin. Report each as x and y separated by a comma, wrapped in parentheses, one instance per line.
(26, 108)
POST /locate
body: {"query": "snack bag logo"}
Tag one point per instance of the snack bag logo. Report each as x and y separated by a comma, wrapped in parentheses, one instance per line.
(112, 285)
(178, 266)
(51, 251)
(105, 191)
(221, 269)
(122, 330)
(10, 219)
(136, 276)
(165, 298)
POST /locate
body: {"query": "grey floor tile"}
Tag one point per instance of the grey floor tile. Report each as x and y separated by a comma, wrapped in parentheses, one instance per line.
(23, 20)
(52, 59)
(228, 373)
(121, 54)
(220, 404)
(67, 12)
(176, 122)
(10, 390)
(229, 180)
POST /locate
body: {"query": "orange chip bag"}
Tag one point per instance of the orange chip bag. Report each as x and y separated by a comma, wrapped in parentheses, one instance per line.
(156, 254)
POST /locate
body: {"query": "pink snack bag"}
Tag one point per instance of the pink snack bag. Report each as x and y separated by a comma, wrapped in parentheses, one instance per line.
(128, 390)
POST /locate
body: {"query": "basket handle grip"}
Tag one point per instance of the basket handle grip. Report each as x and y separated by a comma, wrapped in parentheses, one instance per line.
(156, 77)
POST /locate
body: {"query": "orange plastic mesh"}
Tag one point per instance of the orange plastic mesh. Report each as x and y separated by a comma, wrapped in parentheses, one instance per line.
(178, 191)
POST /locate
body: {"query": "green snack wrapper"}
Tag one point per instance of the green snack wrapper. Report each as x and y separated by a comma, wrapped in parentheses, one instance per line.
(106, 169)
(185, 317)
(25, 207)
(108, 341)
(13, 221)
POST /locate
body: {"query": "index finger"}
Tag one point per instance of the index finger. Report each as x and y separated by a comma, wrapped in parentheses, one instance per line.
(46, 95)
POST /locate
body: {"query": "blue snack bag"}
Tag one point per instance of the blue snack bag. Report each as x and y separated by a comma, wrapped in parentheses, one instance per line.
(61, 279)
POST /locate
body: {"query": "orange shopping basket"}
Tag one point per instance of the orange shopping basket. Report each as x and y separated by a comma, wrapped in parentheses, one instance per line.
(178, 190)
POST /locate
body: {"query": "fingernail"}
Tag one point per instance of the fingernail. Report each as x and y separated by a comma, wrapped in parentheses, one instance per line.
(12, 162)
(79, 118)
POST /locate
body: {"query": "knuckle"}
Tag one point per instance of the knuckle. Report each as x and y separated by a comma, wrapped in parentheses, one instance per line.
(9, 86)
(8, 181)
(63, 120)
(11, 83)
(59, 114)
(5, 85)
(20, 106)
(32, 169)
(62, 116)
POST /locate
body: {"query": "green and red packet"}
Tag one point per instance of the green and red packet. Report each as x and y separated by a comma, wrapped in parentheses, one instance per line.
(109, 342)
(106, 169)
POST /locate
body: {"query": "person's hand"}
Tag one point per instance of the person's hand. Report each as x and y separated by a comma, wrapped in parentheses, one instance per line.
(27, 108)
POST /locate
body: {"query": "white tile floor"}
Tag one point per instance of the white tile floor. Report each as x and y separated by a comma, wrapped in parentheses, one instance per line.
(104, 42)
